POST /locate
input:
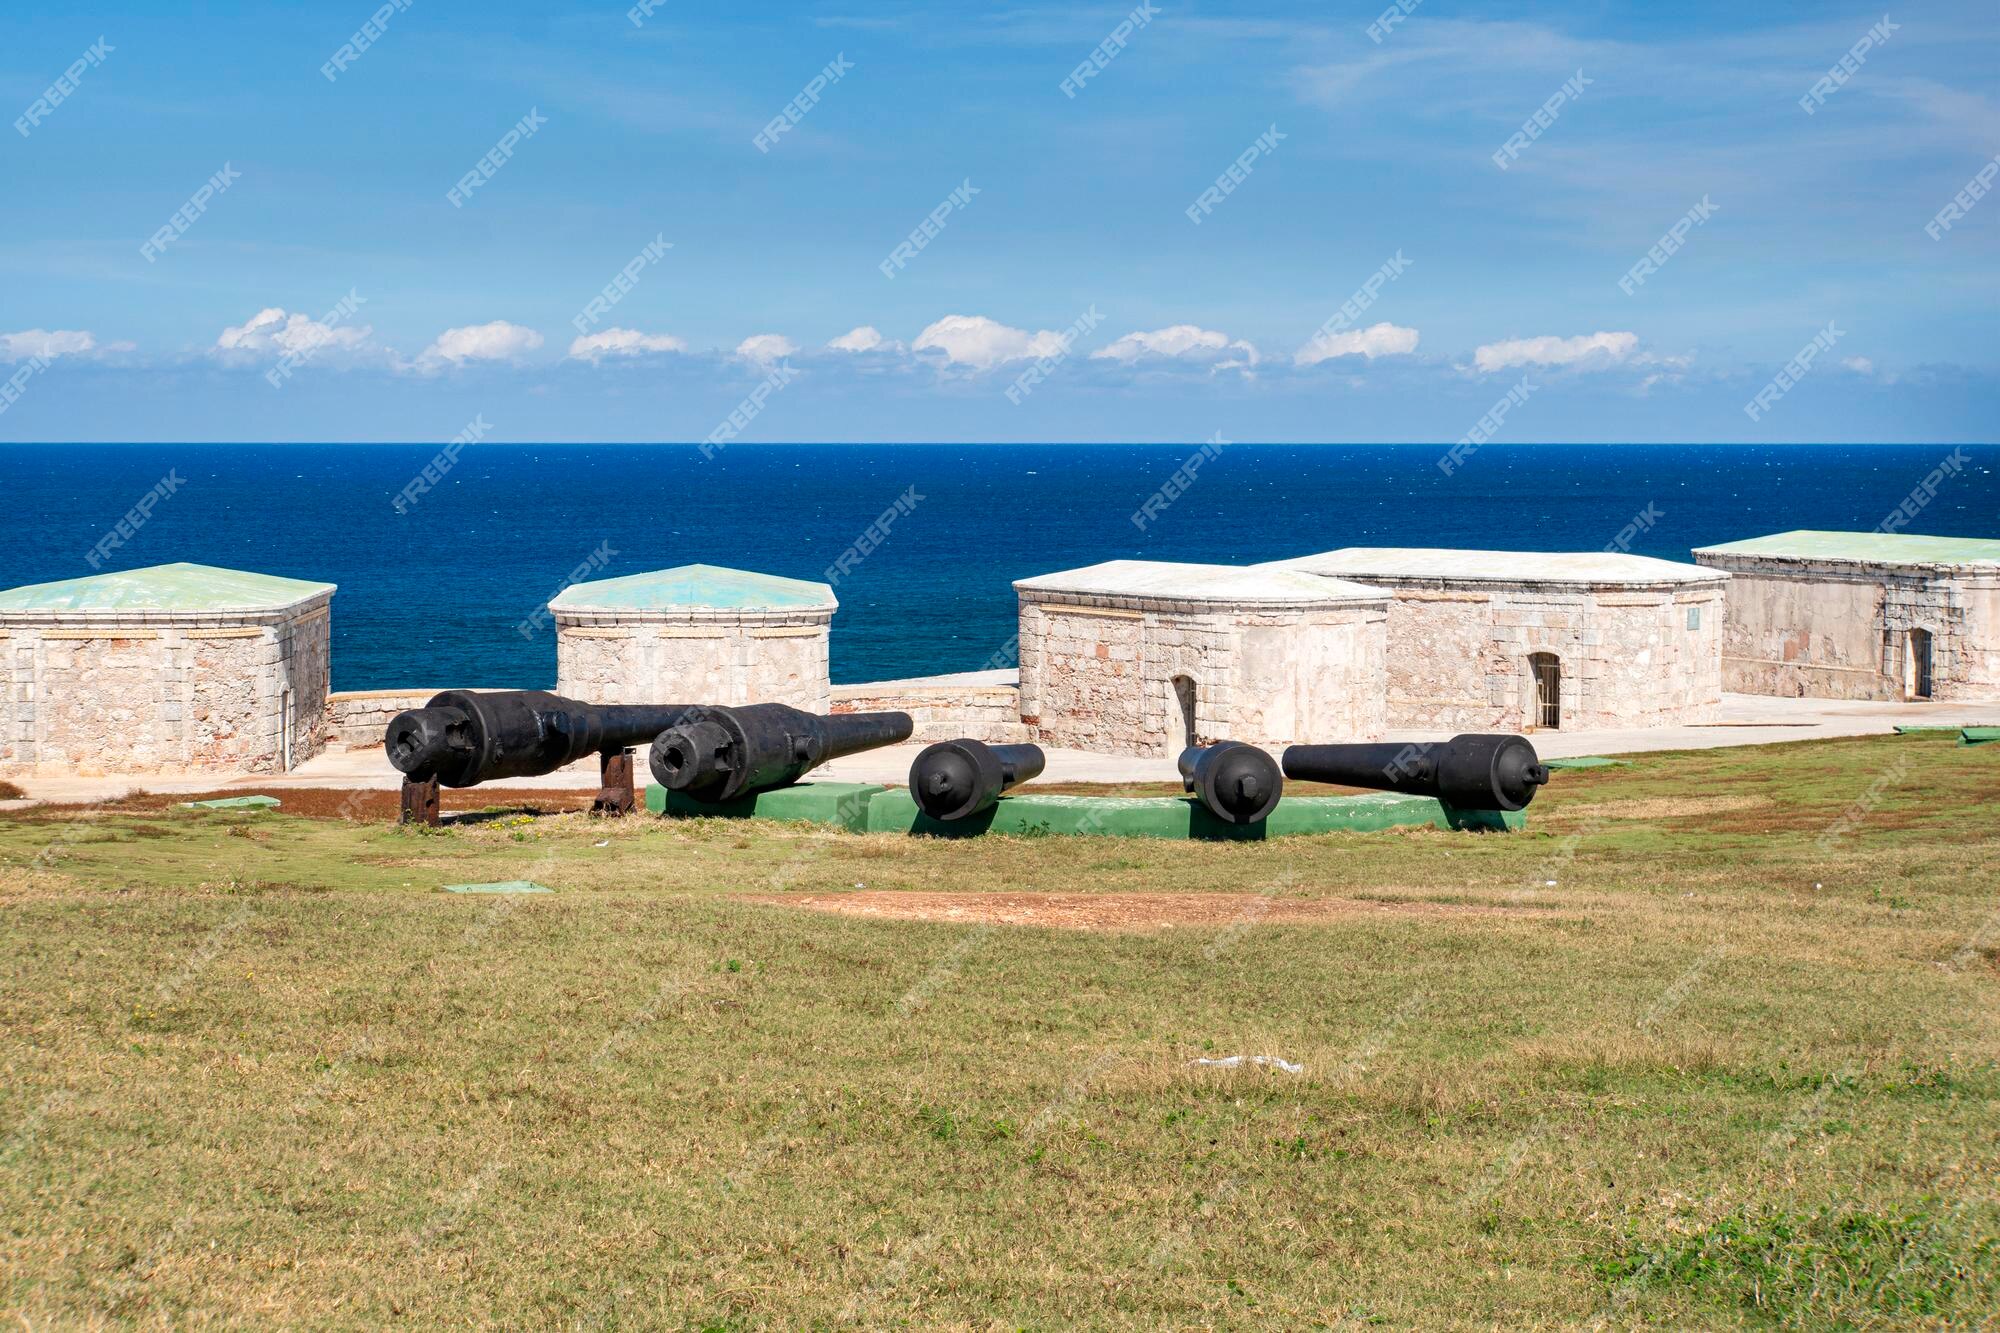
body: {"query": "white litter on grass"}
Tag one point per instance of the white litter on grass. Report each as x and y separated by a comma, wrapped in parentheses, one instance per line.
(605, 843)
(1232, 1061)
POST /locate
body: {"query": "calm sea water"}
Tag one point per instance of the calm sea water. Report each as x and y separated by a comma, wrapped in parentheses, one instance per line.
(435, 596)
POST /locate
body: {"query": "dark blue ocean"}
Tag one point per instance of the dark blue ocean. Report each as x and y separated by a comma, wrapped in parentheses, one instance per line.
(433, 596)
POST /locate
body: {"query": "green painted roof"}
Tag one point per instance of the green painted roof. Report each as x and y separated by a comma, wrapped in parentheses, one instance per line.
(177, 587)
(704, 586)
(1882, 548)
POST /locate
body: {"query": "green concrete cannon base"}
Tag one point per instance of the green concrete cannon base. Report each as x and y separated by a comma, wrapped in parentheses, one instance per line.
(841, 804)
(861, 808)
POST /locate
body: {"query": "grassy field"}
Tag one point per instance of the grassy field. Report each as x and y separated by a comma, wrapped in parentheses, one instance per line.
(1713, 1043)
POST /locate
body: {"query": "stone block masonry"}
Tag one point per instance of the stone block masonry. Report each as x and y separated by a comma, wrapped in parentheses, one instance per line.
(1883, 616)
(945, 708)
(1136, 658)
(1466, 660)
(696, 634)
(1522, 641)
(129, 673)
(736, 660)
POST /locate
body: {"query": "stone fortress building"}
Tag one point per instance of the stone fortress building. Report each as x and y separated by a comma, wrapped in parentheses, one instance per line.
(1524, 641)
(1144, 657)
(188, 667)
(171, 667)
(695, 634)
(1861, 615)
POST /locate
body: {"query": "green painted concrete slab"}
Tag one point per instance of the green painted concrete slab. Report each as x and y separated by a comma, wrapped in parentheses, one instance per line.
(1872, 547)
(1587, 761)
(234, 803)
(865, 808)
(176, 587)
(841, 804)
(1177, 817)
(1978, 735)
(502, 886)
(1920, 731)
(711, 586)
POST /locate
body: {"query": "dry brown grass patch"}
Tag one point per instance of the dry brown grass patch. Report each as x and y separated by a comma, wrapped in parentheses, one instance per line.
(1625, 1053)
(1666, 807)
(365, 805)
(1110, 911)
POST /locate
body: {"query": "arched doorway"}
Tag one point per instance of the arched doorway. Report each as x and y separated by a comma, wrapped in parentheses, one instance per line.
(1184, 692)
(1546, 670)
(1917, 665)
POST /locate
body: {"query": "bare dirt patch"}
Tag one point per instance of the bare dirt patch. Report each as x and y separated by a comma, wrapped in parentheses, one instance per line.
(1109, 911)
(367, 805)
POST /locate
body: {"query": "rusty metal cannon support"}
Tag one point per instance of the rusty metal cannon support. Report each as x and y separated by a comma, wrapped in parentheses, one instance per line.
(718, 754)
(955, 780)
(419, 803)
(1235, 782)
(1470, 772)
(615, 794)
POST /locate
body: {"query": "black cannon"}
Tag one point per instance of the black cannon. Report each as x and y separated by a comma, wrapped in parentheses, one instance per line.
(462, 738)
(718, 754)
(957, 779)
(1472, 772)
(1237, 783)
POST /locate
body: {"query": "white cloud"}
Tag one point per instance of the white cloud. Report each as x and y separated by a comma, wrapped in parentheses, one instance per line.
(764, 348)
(1383, 339)
(866, 338)
(50, 343)
(1860, 365)
(1180, 342)
(497, 341)
(273, 330)
(1592, 351)
(982, 343)
(623, 342)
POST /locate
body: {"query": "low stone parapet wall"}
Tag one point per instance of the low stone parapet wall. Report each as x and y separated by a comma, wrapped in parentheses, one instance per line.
(944, 708)
(356, 719)
(982, 705)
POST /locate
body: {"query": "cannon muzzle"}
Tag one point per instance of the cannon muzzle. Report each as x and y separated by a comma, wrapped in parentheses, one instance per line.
(718, 754)
(1472, 772)
(957, 779)
(463, 738)
(1237, 783)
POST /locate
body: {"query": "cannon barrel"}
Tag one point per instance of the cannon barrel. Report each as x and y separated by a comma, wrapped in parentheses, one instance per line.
(957, 779)
(1471, 772)
(1237, 783)
(463, 738)
(717, 754)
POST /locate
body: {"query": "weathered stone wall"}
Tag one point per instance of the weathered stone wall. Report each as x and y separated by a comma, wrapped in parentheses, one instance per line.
(306, 648)
(159, 694)
(1975, 653)
(1317, 678)
(1099, 675)
(1841, 631)
(715, 659)
(1458, 658)
(940, 710)
(233, 715)
(359, 719)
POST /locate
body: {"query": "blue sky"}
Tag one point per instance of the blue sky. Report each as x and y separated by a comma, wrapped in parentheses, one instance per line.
(1077, 219)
